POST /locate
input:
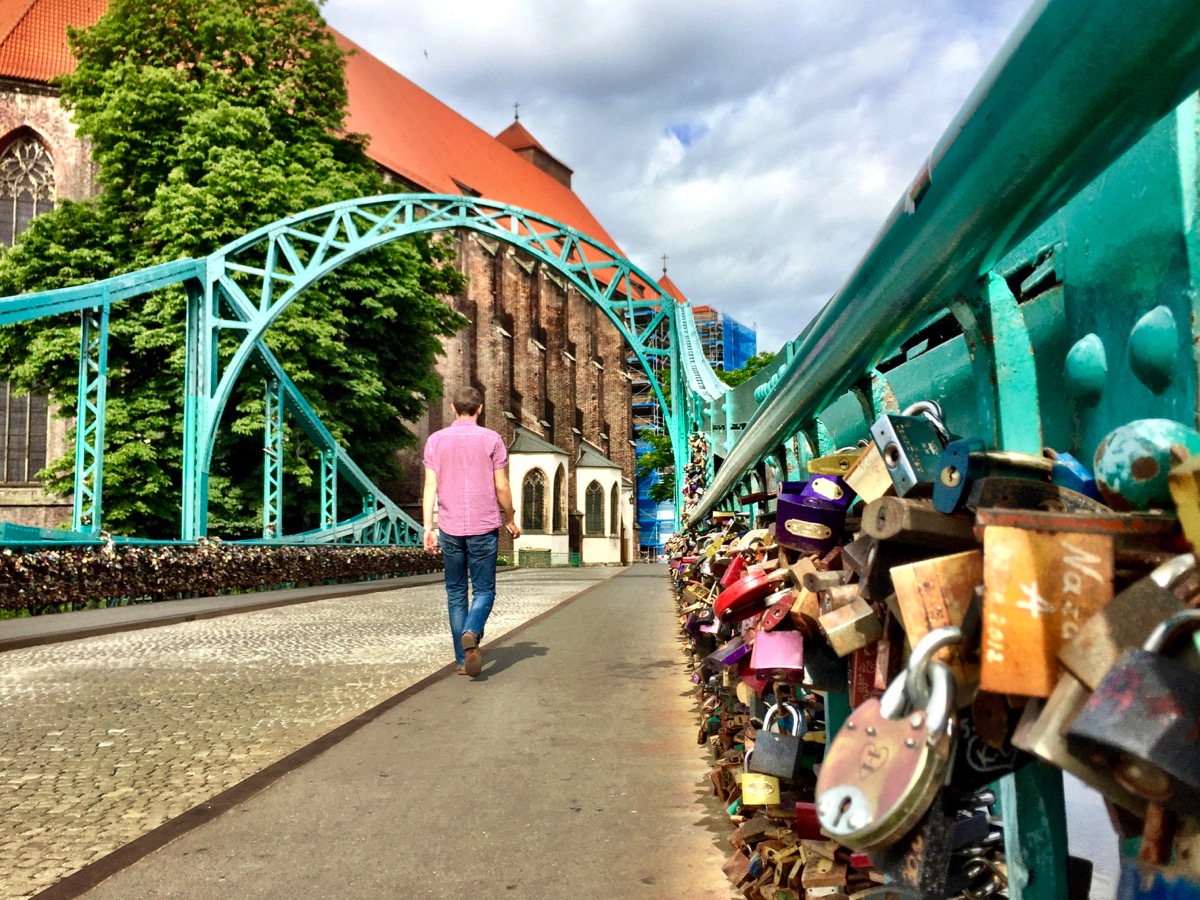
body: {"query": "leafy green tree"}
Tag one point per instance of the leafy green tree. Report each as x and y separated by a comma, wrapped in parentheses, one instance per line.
(659, 458)
(208, 119)
(753, 366)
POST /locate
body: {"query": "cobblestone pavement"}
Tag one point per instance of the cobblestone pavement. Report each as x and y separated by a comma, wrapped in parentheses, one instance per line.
(106, 738)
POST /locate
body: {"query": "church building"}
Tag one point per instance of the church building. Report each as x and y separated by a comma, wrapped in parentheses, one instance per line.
(553, 370)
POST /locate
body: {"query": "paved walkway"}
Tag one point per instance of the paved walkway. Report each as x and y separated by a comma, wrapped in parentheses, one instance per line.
(568, 767)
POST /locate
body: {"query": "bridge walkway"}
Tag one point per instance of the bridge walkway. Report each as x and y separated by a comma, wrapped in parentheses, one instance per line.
(323, 750)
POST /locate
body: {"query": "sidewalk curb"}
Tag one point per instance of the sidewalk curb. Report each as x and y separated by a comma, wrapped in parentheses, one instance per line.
(37, 631)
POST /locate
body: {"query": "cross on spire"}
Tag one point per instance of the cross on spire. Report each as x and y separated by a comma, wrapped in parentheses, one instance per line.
(516, 112)
(664, 259)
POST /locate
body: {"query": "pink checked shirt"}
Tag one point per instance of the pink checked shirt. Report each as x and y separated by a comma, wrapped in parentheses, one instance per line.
(465, 457)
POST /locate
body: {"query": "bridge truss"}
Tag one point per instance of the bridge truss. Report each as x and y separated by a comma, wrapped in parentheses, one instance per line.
(237, 293)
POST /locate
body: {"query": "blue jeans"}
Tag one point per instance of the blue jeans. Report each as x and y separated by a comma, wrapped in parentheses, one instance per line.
(474, 555)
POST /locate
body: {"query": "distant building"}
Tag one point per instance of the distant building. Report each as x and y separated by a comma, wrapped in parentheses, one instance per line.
(549, 363)
(728, 344)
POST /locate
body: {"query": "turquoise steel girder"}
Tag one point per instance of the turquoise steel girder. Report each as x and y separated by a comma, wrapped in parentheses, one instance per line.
(89, 418)
(273, 431)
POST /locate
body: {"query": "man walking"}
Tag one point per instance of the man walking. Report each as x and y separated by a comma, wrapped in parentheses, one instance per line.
(465, 471)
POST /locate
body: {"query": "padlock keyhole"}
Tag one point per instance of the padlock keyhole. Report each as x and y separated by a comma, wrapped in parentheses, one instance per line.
(842, 810)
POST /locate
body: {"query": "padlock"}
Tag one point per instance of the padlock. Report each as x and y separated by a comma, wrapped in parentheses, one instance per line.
(758, 789)
(824, 670)
(785, 756)
(911, 444)
(886, 764)
(735, 570)
(1068, 472)
(806, 522)
(744, 598)
(907, 521)
(965, 462)
(778, 611)
(1143, 720)
(937, 592)
(1039, 588)
(851, 627)
(838, 463)
(869, 476)
(778, 655)
(1125, 622)
(1041, 730)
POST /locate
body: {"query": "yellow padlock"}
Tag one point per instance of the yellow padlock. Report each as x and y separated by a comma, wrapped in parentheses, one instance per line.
(758, 789)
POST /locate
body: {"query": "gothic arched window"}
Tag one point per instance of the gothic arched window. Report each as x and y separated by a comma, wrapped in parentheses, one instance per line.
(614, 512)
(26, 189)
(533, 501)
(593, 509)
(560, 500)
(26, 185)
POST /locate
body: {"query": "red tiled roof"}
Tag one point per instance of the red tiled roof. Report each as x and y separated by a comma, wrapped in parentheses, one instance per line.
(671, 290)
(33, 35)
(423, 140)
(516, 138)
(412, 133)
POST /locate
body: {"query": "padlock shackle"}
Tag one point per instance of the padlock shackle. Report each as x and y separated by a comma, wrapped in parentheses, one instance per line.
(1164, 637)
(1172, 570)
(931, 410)
(799, 725)
(917, 681)
(915, 687)
(940, 706)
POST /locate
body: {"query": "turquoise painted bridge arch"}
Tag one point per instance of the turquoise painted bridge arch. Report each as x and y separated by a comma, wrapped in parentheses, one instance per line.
(239, 291)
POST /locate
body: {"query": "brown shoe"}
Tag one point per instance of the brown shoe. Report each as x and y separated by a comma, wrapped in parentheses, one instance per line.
(474, 663)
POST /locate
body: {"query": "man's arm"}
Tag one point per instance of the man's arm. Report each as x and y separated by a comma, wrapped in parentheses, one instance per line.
(504, 496)
(430, 539)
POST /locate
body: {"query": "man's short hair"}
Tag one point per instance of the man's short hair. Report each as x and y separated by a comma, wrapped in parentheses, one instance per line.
(466, 401)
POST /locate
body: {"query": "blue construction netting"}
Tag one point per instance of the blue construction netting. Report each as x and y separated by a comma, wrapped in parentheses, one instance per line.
(656, 520)
(741, 343)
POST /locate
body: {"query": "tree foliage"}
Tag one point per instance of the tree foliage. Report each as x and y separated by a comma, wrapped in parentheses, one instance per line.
(753, 366)
(207, 119)
(660, 459)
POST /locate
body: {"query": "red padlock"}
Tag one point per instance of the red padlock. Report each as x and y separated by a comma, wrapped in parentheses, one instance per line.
(745, 597)
(735, 570)
(778, 610)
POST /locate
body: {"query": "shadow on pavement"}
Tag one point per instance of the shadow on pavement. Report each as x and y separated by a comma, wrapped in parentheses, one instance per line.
(499, 659)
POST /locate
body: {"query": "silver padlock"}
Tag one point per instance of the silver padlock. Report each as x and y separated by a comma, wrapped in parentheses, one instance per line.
(886, 765)
(912, 444)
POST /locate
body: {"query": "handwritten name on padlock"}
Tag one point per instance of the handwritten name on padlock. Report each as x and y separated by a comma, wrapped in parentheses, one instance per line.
(1038, 590)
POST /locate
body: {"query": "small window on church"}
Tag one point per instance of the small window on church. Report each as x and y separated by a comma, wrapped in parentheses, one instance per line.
(593, 509)
(533, 501)
(26, 185)
(614, 526)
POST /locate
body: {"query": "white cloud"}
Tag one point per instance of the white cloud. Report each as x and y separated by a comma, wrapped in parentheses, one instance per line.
(802, 120)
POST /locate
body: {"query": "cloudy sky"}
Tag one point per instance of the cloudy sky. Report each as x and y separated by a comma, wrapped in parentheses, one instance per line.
(759, 145)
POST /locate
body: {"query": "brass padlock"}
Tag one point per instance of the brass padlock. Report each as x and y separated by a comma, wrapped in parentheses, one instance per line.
(891, 757)
(851, 627)
(1039, 588)
(869, 476)
(758, 789)
(933, 593)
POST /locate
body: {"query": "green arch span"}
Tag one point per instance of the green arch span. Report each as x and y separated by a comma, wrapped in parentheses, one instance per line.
(241, 289)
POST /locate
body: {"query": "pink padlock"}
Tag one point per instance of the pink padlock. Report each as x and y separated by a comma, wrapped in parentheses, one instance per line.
(778, 655)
